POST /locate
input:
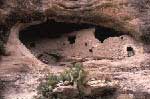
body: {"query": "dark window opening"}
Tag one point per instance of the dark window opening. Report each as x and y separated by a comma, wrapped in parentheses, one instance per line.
(71, 39)
(102, 33)
(130, 51)
(90, 50)
(86, 44)
(122, 38)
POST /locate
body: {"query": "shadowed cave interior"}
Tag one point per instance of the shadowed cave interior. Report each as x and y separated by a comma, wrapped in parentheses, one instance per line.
(51, 29)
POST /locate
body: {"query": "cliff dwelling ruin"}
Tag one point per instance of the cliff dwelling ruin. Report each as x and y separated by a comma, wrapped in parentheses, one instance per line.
(56, 42)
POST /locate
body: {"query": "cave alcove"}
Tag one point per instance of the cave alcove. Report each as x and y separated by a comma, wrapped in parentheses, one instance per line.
(33, 34)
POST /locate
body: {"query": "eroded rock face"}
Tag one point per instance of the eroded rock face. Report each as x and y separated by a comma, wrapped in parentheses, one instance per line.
(130, 17)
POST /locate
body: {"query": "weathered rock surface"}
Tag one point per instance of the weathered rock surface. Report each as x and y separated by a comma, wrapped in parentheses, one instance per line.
(93, 89)
(127, 15)
(130, 17)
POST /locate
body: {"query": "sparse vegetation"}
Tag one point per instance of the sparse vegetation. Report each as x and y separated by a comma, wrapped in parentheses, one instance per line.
(75, 76)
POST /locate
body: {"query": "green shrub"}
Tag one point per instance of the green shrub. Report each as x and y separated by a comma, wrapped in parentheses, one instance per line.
(76, 76)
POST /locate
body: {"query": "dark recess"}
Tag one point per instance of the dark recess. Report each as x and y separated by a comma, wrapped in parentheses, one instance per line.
(52, 29)
(130, 51)
(90, 50)
(1, 3)
(102, 33)
(71, 39)
(86, 44)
